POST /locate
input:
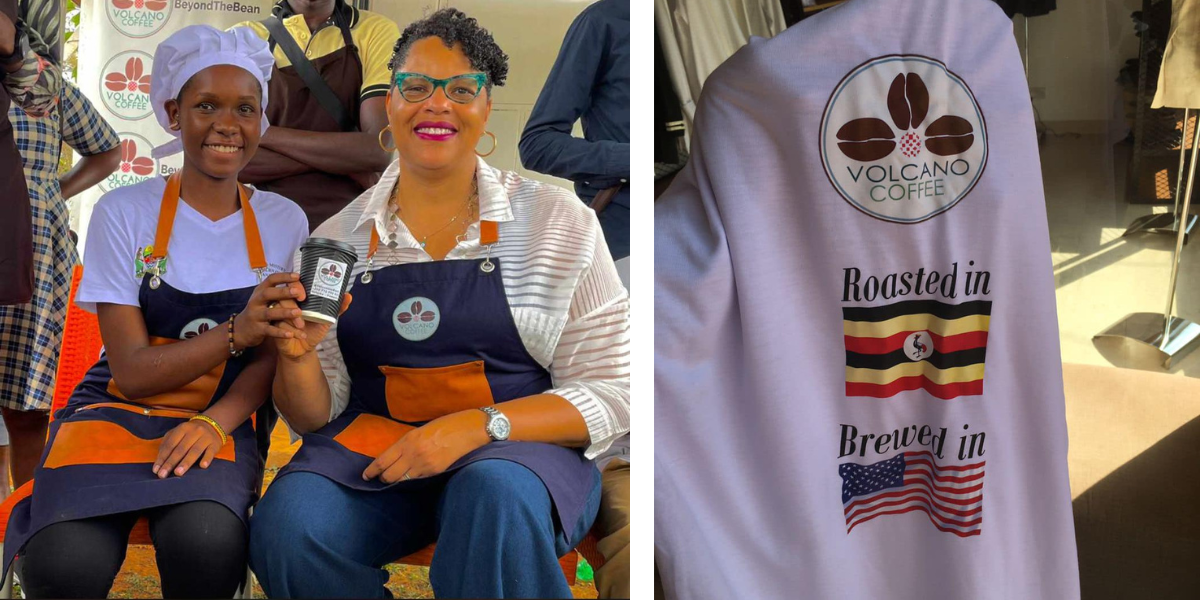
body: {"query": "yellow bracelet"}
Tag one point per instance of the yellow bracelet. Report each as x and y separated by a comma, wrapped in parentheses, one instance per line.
(217, 426)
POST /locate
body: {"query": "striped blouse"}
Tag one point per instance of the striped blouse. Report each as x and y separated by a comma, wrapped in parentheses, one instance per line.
(567, 300)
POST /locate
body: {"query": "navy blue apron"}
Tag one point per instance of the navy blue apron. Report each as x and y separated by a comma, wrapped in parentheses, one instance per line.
(424, 340)
(101, 445)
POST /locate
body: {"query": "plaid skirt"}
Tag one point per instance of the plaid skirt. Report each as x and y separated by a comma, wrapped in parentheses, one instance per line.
(31, 334)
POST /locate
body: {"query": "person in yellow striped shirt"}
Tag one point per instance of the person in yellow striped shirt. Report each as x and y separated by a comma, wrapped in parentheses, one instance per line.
(317, 156)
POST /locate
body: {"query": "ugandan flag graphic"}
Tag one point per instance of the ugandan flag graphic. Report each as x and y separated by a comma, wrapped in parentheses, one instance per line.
(915, 345)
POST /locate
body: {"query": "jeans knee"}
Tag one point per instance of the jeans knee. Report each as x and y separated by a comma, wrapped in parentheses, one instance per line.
(498, 488)
(287, 521)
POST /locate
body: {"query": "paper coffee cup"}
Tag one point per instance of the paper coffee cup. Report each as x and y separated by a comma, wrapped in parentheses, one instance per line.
(325, 267)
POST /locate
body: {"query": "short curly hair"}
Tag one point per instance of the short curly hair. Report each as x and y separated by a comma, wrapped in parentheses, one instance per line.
(454, 26)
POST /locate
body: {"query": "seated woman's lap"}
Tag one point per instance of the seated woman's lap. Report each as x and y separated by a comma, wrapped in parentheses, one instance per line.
(200, 548)
(311, 536)
(492, 487)
(373, 528)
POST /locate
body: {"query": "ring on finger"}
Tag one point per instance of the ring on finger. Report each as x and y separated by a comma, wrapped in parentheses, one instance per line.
(271, 305)
(406, 476)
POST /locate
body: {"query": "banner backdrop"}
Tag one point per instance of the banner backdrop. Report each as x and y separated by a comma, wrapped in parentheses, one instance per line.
(116, 49)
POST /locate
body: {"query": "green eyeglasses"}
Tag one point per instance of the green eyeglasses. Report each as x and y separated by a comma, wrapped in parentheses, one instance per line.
(415, 87)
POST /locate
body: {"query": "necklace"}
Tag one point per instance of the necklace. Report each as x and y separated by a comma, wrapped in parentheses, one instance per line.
(394, 206)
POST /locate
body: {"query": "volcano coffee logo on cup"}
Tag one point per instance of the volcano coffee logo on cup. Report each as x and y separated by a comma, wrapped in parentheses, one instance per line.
(416, 318)
(903, 138)
(327, 282)
(196, 328)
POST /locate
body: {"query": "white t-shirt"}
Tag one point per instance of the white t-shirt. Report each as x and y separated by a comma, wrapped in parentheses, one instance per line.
(203, 255)
(849, 246)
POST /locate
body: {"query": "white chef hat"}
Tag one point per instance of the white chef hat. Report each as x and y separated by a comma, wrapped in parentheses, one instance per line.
(193, 49)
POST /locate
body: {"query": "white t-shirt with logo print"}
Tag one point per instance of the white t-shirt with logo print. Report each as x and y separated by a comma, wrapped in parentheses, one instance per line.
(858, 389)
(203, 255)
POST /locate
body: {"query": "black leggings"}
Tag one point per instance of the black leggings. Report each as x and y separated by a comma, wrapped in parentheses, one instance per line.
(200, 548)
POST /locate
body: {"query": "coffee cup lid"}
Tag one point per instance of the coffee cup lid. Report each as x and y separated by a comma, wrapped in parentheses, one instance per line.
(330, 244)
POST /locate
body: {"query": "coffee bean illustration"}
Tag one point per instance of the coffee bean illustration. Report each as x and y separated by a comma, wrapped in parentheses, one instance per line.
(908, 101)
(949, 135)
(866, 140)
(918, 98)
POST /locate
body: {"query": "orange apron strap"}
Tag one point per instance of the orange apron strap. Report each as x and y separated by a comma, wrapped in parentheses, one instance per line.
(166, 221)
(254, 245)
(489, 233)
(373, 246)
(166, 218)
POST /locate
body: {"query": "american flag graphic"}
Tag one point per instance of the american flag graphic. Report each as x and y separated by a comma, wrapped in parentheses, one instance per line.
(952, 496)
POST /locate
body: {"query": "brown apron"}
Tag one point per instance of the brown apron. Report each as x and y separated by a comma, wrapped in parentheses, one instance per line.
(16, 220)
(291, 104)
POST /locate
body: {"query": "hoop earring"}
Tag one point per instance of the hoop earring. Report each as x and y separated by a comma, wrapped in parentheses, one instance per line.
(494, 144)
(382, 145)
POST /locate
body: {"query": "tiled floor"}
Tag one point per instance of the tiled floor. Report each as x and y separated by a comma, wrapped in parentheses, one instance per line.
(1101, 276)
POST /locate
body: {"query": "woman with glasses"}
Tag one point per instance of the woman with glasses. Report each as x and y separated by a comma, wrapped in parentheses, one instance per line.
(480, 362)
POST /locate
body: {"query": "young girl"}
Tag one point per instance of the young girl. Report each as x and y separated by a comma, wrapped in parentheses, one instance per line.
(183, 273)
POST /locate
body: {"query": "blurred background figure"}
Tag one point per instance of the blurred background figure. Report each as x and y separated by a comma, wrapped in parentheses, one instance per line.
(42, 116)
(589, 83)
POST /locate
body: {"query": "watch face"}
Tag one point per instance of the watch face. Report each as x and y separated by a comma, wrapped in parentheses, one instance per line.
(501, 429)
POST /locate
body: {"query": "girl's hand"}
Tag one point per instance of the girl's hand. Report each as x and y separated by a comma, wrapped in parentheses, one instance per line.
(305, 337)
(184, 445)
(431, 448)
(258, 320)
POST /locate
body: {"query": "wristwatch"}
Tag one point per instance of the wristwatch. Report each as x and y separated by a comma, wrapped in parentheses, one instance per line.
(498, 426)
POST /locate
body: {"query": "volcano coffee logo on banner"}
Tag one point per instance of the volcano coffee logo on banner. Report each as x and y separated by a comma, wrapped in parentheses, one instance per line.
(138, 18)
(136, 164)
(903, 138)
(125, 88)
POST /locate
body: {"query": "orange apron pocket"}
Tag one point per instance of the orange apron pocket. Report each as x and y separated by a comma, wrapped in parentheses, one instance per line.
(370, 434)
(193, 396)
(104, 443)
(416, 395)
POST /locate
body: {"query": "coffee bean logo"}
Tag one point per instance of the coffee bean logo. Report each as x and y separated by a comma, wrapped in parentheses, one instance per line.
(870, 139)
(416, 319)
(903, 138)
(908, 101)
(866, 140)
(949, 135)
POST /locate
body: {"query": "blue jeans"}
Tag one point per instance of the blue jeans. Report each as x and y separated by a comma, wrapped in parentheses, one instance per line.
(493, 522)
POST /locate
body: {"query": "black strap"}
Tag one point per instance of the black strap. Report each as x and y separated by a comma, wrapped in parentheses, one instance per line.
(308, 73)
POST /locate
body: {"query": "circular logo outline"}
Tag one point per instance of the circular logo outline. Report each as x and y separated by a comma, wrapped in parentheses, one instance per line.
(840, 87)
(148, 60)
(193, 327)
(111, 8)
(406, 329)
(129, 135)
(910, 343)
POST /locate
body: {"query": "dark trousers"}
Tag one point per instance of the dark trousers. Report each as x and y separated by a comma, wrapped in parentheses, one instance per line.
(200, 548)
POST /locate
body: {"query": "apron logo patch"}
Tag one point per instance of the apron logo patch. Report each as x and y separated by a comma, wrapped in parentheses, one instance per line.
(903, 138)
(416, 319)
(143, 265)
(196, 328)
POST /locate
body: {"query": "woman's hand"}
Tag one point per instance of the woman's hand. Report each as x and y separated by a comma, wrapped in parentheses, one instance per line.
(430, 449)
(258, 320)
(305, 337)
(184, 445)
